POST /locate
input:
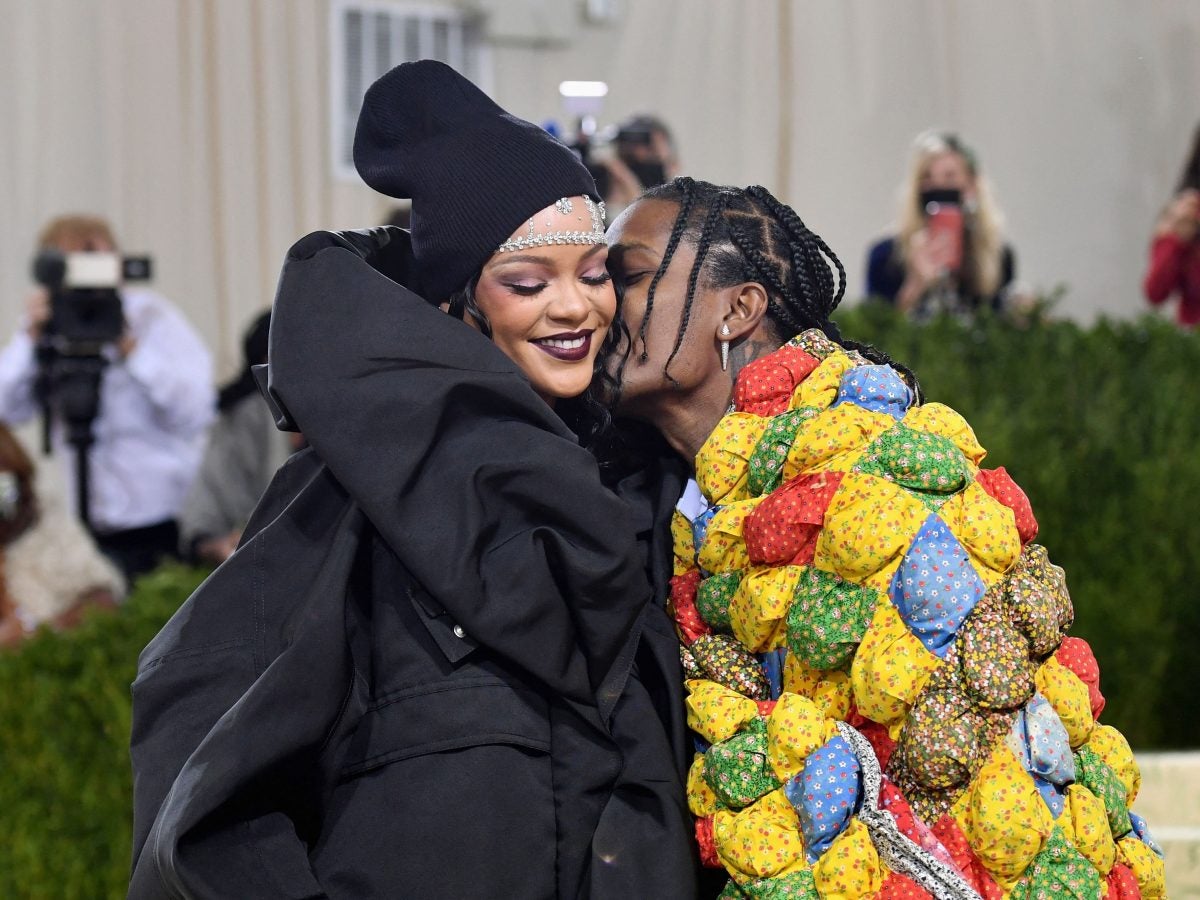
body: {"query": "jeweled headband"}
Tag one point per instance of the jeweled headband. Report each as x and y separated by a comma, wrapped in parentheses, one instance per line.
(564, 205)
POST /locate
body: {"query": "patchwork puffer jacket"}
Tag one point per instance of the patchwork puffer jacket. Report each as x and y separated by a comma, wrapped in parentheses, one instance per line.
(884, 696)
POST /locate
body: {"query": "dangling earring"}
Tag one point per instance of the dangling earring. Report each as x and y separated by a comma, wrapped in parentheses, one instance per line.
(725, 349)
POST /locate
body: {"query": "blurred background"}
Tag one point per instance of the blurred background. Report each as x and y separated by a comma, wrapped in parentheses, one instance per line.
(212, 134)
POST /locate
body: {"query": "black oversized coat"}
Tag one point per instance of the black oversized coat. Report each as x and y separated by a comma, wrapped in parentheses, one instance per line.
(435, 666)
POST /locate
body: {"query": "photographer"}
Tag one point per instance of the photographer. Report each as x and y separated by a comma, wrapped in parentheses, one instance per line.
(154, 400)
(949, 254)
(1175, 251)
(643, 157)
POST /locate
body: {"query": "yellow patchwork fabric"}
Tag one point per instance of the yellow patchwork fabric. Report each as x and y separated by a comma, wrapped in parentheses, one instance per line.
(829, 690)
(869, 526)
(683, 549)
(722, 465)
(1110, 745)
(939, 419)
(1147, 868)
(986, 528)
(701, 799)
(796, 727)
(833, 440)
(1004, 818)
(714, 711)
(1084, 823)
(890, 668)
(724, 548)
(820, 388)
(761, 841)
(758, 610)
(1069, 697)
(850, 868)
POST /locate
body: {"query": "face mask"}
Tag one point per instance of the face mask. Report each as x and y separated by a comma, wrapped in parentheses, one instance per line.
(650, 174)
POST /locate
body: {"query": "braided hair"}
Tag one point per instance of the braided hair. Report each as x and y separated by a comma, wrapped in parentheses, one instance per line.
(747, 234)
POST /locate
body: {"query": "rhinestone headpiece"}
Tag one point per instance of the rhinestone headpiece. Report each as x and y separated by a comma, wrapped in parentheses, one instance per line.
(564, 206)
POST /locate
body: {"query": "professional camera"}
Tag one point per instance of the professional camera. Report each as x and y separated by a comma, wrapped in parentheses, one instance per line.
(85, 305)
(85, 317)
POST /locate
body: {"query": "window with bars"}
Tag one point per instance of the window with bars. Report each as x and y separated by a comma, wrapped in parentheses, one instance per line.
(368, 38)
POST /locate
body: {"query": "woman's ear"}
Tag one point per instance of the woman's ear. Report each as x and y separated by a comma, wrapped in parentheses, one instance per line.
(743, 308)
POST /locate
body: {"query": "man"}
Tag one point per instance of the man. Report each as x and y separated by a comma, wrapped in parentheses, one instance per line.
(155, 403)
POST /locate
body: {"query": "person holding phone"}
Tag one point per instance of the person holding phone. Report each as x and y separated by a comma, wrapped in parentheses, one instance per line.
(949, 254)
(1175, 252)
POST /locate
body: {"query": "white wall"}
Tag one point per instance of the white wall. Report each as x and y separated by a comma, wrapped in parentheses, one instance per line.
(200, 126)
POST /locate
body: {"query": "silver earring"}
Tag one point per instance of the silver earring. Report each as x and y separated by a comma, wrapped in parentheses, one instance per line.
(724, 350)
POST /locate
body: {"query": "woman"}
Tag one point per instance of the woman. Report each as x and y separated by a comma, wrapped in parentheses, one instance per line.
(50, 571)
(884, 700)
(1175, 252)
(950, 254)
(431, 669)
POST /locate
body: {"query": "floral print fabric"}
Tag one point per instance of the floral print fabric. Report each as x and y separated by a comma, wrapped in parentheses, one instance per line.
(885, 699)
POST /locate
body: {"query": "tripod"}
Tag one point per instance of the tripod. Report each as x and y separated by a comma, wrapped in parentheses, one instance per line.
(69, 385)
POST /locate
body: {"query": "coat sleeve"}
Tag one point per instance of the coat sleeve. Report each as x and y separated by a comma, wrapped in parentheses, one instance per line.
(17, 372)
(238, 707)
(1166, 268)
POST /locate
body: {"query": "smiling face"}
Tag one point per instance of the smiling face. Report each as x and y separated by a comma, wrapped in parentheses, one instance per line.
(550, 308)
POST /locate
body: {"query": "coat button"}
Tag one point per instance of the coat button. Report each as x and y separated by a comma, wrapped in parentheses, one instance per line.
(458, 632)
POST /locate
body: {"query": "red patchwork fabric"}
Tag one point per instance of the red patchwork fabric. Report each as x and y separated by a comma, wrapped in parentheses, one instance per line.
(1122, 884)
(901, 887)
(683, 602)
(765, 386)
(1000, 486)
(1076, 654)
(947, 831)
(783, 528)
(707, 843)
(881, 742)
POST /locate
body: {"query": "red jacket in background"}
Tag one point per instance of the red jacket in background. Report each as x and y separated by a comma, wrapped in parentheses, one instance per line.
(1175, 266)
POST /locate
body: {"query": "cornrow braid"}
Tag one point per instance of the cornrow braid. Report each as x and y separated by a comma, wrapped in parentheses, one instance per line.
(764, 268)
(685, 187)
(811, 255)
(710, 221)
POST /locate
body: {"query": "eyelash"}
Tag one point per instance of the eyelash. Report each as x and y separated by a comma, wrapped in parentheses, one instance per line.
(530, 290)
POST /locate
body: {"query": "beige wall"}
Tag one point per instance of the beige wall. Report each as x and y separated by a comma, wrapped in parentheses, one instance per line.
(200, 126)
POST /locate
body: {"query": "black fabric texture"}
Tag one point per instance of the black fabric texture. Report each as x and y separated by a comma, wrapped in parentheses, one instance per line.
(474, 172)
(434, 667)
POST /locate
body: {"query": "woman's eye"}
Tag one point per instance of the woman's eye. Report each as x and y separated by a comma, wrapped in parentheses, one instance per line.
(526, 288)
(596, 280)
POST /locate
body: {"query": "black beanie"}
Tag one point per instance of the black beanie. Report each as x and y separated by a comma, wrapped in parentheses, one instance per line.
(474, 173)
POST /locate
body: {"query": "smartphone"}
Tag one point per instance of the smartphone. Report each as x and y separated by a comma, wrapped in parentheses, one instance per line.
(944, 219)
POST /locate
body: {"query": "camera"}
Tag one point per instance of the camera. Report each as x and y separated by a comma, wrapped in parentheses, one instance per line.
(85, 317)
(85, 306)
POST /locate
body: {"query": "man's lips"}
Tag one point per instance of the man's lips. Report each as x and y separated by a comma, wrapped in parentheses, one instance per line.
(569, 347)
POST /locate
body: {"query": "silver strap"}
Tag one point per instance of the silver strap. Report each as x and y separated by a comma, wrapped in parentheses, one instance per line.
(898, 851)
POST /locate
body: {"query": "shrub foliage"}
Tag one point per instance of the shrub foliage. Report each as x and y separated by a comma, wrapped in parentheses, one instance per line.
(65, 784)
(1100, 426)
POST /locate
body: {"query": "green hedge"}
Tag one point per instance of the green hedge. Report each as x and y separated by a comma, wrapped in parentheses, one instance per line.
(65, 783)
(1101, 427)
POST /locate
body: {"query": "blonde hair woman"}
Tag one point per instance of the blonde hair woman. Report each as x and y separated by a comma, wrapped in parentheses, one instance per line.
(949, 254)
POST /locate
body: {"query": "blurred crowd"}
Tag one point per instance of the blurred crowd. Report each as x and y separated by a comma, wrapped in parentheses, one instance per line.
(159, 464)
